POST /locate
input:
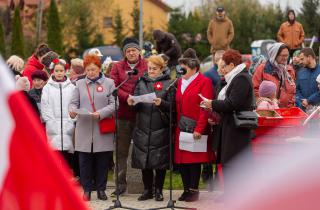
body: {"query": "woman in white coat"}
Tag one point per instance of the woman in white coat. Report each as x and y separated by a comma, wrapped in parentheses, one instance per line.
(56, 96)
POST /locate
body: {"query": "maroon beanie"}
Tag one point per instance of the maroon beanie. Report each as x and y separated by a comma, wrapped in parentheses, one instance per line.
(40, 75)
(267, 88)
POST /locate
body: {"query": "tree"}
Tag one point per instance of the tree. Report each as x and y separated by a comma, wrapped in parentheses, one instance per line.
(2, 41)
(117, 28)
(135, 14)
(310, 17)
(17, 41)
(54, 35)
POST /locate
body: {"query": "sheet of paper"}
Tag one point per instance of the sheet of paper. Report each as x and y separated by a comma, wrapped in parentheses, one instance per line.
(82, 111)
(188, 143)
(146, 98)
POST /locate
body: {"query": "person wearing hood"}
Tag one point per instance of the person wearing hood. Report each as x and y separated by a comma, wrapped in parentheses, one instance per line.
(132, 62)
(151, 134)
(34, 62)
(291, 33)
(277, 71)
(193, 120)
(167, 44)
(220, 32)
(56, 95)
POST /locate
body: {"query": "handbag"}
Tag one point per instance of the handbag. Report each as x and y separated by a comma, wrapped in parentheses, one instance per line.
(187, 124)
(106, 125)
(245, 119)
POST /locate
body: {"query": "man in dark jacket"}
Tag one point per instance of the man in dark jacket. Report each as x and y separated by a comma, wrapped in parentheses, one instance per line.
(307, 92)
(119, 73)
(167, 44)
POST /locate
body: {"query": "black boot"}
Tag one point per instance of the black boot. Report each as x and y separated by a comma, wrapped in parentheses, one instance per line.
(101, 195)
(158, 195)
(192, 196)
(183, 195)
(87, 195)
(147, 194)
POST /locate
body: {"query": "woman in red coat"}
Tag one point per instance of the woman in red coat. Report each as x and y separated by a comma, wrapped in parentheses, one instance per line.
(188, 106)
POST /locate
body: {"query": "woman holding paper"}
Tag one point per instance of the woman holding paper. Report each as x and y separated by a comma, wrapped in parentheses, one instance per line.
(91, 103)
(236, 95)
(151, 134)
(192, 125)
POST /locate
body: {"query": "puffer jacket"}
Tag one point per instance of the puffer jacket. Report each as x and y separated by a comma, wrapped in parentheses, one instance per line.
(286, 94)
(55, 99)
(151, 134)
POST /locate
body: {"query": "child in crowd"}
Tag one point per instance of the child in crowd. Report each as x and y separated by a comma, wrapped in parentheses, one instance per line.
(39, 79)
(56, 96)
(267, 96)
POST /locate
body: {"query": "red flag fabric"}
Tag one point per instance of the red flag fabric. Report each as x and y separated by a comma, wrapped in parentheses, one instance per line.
(32, 176)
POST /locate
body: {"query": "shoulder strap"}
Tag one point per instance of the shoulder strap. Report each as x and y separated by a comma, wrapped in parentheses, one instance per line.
(89, 95)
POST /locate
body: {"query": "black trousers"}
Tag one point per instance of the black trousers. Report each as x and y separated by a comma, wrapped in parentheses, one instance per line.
(94, 164)
(190, 174)
(68, 157)
(147, 178)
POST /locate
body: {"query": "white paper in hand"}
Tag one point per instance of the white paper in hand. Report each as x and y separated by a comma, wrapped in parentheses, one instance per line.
(82, 111)
(188, 143)
(146, 98)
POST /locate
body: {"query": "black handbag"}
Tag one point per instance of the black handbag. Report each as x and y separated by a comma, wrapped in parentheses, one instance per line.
(187, 124)
(245, 119)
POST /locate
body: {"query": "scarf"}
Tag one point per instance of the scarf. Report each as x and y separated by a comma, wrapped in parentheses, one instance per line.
(228, 78)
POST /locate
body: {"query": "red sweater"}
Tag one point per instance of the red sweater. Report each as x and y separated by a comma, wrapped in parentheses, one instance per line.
(32, 65)
(118, 74)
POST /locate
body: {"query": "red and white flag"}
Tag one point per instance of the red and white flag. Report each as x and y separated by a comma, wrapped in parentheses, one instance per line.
(31, 175)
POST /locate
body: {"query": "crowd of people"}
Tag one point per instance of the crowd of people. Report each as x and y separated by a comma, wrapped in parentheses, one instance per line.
(76, 107)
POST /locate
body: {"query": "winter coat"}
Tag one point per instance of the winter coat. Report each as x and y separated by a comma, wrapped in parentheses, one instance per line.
(307, 86)
(87, 128)
(33, 103)
(151, 134)
(239, 97)
(170, 47)
(220, 34)
(188, 105)
(291, 34)
(118, 74)
(267, 104)
(213, 75)
(286, 94)
(54, 110)
(32, 65)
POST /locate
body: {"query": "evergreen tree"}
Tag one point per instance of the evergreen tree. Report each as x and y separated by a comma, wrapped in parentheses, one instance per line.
(54, 34)
(17, 41)
(2, 41)
(117, 28)
(135, 14)
(310, 17)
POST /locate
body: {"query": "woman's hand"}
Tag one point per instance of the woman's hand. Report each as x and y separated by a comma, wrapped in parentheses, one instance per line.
(196, 135)
(72, 114)
(207, 104)
(95, 115)
(157, 101)
(130, 101)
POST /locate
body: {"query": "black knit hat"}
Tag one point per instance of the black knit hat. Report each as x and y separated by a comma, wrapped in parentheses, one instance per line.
(130, 42)
(189, 58)
(40, 74)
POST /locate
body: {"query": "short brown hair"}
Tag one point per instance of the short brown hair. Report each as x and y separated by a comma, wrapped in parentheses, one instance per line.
(41, 50)
(307, 51)
(232, 56)
(88, 59)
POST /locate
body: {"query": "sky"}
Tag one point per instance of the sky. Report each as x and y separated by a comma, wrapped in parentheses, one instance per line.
(190, 4)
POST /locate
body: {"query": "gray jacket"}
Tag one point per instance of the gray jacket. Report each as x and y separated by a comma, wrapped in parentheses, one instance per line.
(87, 128)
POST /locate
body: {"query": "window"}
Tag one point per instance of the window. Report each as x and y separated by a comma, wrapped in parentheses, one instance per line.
(107, 22)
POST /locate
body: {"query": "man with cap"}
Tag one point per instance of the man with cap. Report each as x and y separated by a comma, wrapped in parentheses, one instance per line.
(220, 31)
(119, 72)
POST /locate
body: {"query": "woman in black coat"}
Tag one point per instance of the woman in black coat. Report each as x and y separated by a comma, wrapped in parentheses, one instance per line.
(151, 134)
(236, 95)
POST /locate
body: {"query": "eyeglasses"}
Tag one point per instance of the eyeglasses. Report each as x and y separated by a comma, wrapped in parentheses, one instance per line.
(284, 55)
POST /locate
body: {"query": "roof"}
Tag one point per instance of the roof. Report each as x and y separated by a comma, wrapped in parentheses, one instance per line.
(162, 5)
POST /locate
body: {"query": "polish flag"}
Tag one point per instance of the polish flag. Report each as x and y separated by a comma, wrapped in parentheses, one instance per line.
(32, 176)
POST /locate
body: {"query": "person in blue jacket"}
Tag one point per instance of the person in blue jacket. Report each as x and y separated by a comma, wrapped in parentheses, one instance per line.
(307, 92)
(212, 73)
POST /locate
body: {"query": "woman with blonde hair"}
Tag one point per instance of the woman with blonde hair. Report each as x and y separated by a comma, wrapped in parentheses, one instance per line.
(151, 134)
(16, 64)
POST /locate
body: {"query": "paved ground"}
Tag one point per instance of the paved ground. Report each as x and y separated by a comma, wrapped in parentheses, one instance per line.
(206, 201)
